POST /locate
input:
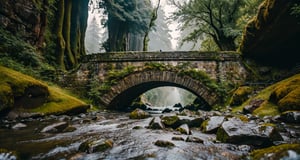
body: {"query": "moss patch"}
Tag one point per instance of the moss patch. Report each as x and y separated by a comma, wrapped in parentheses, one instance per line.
(16, 87)
(240, 95)
(275, 152)
(279, 97)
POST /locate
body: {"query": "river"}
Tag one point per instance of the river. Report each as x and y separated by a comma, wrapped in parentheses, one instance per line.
(128, 143)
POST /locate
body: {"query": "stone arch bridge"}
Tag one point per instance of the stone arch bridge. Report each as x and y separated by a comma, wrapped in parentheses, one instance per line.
(123, 76)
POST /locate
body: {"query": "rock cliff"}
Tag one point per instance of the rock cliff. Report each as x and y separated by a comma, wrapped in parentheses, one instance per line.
(24, 18)
(273, 35)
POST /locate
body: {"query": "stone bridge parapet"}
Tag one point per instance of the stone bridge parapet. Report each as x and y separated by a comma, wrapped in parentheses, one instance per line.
(219, 66)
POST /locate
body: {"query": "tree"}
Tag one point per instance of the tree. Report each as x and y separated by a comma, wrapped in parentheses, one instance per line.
(211, 18)
(128, 22)
(71, 23)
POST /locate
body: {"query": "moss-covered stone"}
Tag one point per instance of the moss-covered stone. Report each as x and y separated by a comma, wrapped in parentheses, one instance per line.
(240, 95)
(171, 121)
(22, 92)
(275, 152)
(279, 97)
(286, 94)
(138, 114)
(162, 143)
(96, 146)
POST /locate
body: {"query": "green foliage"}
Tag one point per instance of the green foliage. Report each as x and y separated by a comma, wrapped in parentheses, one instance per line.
(216, 19)
(296, 10)
(21, 56)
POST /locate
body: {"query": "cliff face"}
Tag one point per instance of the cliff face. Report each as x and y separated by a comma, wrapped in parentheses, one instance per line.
(273, 36)
(24, 18)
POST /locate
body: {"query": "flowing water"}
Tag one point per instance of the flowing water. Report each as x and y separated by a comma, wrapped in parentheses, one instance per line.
(128, 143)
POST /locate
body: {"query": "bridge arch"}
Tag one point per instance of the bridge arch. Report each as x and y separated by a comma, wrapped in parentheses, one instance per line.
(135, 84)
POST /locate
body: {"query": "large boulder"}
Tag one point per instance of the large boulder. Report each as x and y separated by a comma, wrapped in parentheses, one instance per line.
(171, 121)
(237, 132)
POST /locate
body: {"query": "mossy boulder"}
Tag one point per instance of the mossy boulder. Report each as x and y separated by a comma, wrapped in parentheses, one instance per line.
(171, 121)
(139, 114)
(93, 146)
(276, 152)
(237, 132)
(279, 97)
(286, 94)
(26, 94)
(18, 90)
(240, 95)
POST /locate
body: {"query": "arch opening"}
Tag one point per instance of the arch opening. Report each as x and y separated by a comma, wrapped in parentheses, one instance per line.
(124, 100)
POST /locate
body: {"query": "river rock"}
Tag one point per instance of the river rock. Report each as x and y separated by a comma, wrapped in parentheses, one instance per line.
(196, 122)
(167, 110)
(177, 105)
(55, 128)
(93, 146)
(184, 129)
(162, 143)
(290, 117)
(177, 139)
(138, 114)
(156, 123)
(237, 132)
(194, 139)
(171, 121)
(19, 126)
(212, 124)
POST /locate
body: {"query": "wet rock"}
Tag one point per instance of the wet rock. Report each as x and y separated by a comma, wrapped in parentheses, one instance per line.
(253, 105)
(184, 129)
(70, 129)
(93, 146)
(290, 117)
(177, 105)
(78, 156)
(8, 155)
(55, 128)
(177, 139)
(212, 124)
(171, 121)
(194, 139)
(237, 132)
(156, 123)
(162, 143)
(196, 122)
(167, 110)
(19, 126)
(138, 114)
(137, 127)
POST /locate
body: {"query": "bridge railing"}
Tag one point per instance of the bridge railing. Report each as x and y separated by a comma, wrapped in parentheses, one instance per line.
(161, 56)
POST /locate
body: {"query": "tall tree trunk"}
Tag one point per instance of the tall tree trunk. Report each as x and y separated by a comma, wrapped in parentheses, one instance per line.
(66, 32)
(59, 34)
